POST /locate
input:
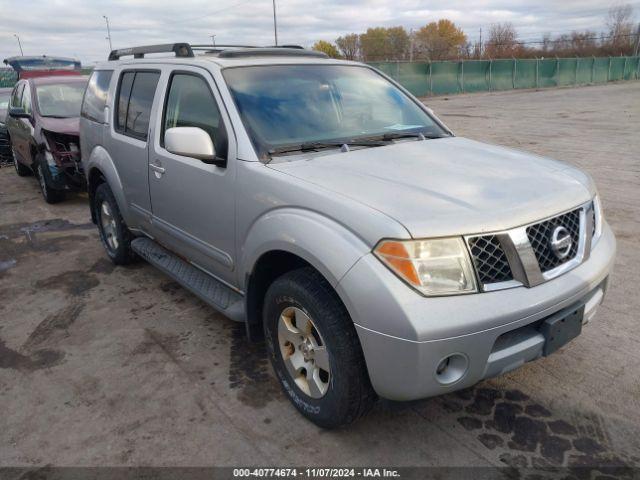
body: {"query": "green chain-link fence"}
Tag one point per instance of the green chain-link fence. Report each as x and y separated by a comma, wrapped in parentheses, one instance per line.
(437, 78)
(7, 77)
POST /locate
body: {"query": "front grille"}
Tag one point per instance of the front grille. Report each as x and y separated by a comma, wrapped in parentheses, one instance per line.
(490, 260)
(540, 234)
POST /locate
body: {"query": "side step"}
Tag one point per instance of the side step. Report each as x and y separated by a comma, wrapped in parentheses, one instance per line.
(215, 293)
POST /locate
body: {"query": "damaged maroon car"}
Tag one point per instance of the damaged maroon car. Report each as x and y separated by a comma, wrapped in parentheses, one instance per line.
(43, 128)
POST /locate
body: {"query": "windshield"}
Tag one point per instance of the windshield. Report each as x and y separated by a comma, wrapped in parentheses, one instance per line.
(295, 104)
(60, 100)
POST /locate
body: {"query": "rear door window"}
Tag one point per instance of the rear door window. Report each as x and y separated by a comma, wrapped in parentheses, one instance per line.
(95, 96)
(135, 99)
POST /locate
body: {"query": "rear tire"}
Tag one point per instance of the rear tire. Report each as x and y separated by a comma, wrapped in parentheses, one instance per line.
(50, 194)
(114, 234)
(315, 351)
(21, 170)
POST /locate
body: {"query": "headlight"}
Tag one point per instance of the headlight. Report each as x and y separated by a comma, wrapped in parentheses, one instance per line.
(598, 218)
(433, 267)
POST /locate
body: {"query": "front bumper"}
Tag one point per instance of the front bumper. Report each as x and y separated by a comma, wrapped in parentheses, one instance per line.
(405, 336)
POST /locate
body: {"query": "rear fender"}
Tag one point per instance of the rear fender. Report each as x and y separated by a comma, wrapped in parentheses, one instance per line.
(99, 159)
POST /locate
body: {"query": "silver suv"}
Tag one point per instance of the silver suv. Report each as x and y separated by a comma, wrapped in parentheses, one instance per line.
(321, 204)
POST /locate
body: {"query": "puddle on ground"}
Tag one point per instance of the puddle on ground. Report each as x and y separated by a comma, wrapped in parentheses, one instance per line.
(526, 434)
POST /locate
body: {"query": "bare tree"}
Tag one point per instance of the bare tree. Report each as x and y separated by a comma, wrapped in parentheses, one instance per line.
(620, 24)
(349, 46)
(503, 41)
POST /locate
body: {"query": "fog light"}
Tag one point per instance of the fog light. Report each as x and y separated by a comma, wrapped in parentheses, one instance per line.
(451, 368)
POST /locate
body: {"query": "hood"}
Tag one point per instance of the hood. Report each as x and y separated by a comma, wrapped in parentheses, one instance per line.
(448, 186)
(69, 126)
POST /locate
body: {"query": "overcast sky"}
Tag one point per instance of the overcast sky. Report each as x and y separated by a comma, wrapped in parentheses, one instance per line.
(77, 28)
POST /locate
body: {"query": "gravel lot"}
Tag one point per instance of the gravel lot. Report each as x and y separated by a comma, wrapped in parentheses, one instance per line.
(120, 366)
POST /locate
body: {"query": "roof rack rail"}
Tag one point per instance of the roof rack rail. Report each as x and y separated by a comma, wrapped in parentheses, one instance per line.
(271, 52)
(220, 46)
(180, 49)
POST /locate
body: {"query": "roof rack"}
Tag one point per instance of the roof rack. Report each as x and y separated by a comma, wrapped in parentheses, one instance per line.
(271, 52)
(180, 49)
(223, 51)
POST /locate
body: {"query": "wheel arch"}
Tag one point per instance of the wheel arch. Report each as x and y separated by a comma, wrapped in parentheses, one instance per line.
(289, 239)
(99, 169)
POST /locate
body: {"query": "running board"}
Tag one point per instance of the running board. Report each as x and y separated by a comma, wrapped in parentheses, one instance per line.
(227, 301)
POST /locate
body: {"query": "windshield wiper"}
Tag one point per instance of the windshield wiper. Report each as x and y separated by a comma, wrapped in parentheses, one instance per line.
(397, 135)
(315, 146)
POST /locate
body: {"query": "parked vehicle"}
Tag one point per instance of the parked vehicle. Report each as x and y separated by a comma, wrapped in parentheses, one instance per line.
(5, 148)
(44, 66)
(43, 130)
(320, 203)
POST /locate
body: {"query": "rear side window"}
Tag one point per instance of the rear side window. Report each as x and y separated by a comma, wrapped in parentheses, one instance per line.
(135, 98)
(95, 96)
(126, 82)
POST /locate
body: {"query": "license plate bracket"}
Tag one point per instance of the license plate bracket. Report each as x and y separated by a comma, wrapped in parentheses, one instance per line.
(561, 328)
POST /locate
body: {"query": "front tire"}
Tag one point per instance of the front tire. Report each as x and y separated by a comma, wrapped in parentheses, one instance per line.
(21, 170)
(50, 194)
(114, 234)
(315, 351)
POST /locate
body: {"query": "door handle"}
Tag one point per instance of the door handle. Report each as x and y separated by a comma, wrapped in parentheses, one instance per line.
(157, 168)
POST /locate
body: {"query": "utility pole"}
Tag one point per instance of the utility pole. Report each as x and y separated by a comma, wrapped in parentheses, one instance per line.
(275, 23)
(106, 19)
(19, 44)
(213, 40)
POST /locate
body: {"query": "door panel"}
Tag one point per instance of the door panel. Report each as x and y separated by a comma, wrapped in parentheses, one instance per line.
(193, 202)
(133, 106)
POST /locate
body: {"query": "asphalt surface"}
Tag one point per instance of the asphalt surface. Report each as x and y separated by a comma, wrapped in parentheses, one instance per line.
(104, 365)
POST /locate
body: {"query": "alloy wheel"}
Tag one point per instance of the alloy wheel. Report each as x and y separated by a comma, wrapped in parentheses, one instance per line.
(304, 352)
(108, 224)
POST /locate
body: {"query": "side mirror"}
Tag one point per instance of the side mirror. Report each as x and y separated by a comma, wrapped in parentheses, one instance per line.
(17, 112)
(192, 142)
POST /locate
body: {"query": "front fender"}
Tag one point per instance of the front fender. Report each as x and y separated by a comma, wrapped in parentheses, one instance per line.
(327, 245)
(101, 160)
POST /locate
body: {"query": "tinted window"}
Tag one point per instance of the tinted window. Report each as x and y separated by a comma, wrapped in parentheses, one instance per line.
(190, 103)
(95, 97)
(126, 82)
(140, 102)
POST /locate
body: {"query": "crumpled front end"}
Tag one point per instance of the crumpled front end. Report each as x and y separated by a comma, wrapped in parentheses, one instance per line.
(62, 154)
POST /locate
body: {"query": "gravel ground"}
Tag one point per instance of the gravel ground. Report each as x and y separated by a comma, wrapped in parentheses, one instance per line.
(104, 365)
